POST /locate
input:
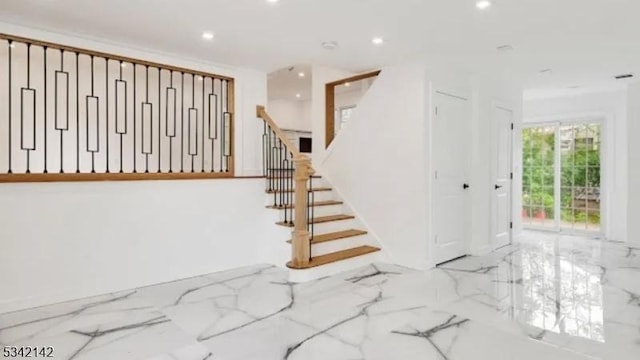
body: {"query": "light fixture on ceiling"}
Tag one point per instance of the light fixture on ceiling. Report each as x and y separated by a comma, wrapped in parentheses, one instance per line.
(208, 35)
(504, 48)
(623, 76)
(330, 45)
(301, 74)
(377, 41)
(273, 1)
(483, 4)
(298, 96)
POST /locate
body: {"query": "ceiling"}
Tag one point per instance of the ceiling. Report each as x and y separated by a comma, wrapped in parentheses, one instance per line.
(584, 42)
(286, 84)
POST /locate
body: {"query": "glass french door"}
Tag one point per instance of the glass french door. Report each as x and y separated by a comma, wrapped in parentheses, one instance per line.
(561, 176)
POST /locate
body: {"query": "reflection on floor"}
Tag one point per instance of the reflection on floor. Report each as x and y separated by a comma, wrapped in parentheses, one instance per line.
(546, 297)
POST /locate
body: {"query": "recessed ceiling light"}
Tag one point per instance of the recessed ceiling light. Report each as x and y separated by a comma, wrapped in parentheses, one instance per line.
(208, 35)
(330, 45)
(377, 40)
(301, 74)
(298, 96)
(504, 48)
(483, 4)
(624, 76)
(273, 1)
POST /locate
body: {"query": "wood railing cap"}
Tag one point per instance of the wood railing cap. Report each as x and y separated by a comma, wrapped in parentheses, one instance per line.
(262, 114)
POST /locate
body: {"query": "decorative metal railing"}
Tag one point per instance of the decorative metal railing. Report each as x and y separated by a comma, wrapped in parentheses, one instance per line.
(73, 114)
(289, 177)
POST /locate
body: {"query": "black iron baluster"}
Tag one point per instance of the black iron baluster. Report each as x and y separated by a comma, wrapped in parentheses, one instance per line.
(10, 102)
(159, 120)
(77, 112)
(264, 151)
(193, 106)
(92, 96)
(106, 88)
(45, 108)
(285, 164)
(142, 127)
(182, 124)
(135, 100)
(175, 119)
(222, 128)
(228, 120)
(280, 177)
(215, 124)
(311, 207)
(66, 127)
(126, 114)
(203, 130)
(22, 92)
(291, 193)
(272, 180)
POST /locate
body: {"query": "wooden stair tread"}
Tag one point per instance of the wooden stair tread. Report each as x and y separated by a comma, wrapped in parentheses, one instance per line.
(322, 219)
(288, 177)
(337, 256)
(338, 235)
(291, 190)
(315, 204)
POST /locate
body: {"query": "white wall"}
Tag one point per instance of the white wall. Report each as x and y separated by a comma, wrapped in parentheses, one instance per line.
(633, 163)
(62, 241)
(381, 162)
(377, 165)
(67, 240)
(291, 114)
(611, 106)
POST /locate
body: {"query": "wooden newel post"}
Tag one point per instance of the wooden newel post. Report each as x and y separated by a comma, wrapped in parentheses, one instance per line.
(301, 246)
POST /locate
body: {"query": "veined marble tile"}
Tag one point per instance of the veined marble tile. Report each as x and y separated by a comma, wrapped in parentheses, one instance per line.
(544, 297)
(192, 352)
(134, 338)
(59, 318)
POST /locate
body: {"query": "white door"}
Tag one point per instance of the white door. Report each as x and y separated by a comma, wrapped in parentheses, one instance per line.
(502, 174)
(451, 210)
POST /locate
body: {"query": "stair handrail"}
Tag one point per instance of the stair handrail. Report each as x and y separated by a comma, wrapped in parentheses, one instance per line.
(303, 172)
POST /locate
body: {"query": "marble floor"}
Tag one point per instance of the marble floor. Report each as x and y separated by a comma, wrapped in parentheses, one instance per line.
(545, 297)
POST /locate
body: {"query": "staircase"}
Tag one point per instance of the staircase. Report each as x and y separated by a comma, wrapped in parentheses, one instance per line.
(337, 235)
(324, 230)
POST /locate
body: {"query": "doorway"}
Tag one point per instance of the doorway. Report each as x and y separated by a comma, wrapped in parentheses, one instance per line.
(561, 181)
(451, 206)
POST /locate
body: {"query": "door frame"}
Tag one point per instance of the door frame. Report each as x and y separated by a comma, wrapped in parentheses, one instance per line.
(603, 120)
(461, 92)
(496, 105)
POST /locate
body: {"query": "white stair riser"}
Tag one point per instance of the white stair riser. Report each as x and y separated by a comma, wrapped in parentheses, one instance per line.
(318, 196)
(334, 226)
(335, 268)
(288, 183)
(317, 211)
(340, 244)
